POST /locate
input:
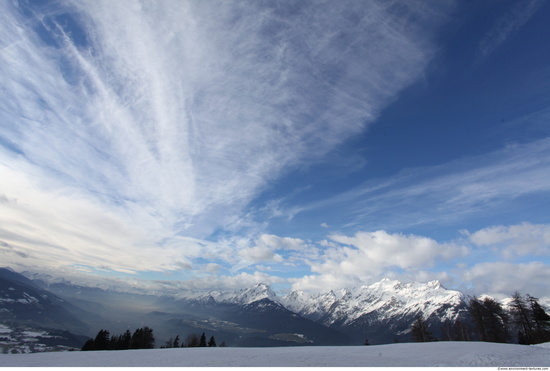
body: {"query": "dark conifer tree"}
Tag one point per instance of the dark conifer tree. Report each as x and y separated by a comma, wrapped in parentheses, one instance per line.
(540, 320)
(476, 311)
(102, 340)
(148, 338)
(462, 331)
(142, 338)
(125, 340)
(192, 340)
(212, 341)
(419, 331)
(89, 345)
(521, 317)
(202, 342)
(114, 343)
(168, 344)
(490, 320)
(176, 343)
(496, 320)
(136, 340)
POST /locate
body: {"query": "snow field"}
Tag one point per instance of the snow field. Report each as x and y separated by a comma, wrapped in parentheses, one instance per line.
(461, 354)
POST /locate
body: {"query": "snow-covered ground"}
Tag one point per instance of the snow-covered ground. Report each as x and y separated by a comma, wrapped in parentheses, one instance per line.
(462, 354)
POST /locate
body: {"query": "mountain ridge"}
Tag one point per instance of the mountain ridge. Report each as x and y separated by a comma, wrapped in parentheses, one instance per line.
(381, 312)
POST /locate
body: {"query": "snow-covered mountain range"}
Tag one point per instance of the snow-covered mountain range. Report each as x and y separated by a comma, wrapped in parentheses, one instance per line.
(392, 298)
(381, 311)
(256, 316)
(242, 297)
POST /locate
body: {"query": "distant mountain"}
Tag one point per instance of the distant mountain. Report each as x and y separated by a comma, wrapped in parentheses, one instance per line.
(15, 338)
(242, 297)
(382, 312)
(249, 317)
(23, 302)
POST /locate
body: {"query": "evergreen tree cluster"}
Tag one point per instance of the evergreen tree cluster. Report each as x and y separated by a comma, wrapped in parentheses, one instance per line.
(530, 321)
(142, 338)
(490, 320)
(419, 331)
(192, 340)
(525, 322)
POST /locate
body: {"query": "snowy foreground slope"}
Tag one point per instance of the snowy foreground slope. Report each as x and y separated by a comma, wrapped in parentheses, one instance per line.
(463, 354)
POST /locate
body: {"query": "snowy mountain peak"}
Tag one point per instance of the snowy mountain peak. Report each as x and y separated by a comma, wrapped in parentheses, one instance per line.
(257, 292)
(378, 302)
(384, 285)
(245, 296)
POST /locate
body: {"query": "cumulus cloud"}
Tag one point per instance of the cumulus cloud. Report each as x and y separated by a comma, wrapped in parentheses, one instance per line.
(365, 256)
(378, 250)
(259, 254)
(157, 122)
(515, 240)
(502, 279)
(265, 246)
(325, 282)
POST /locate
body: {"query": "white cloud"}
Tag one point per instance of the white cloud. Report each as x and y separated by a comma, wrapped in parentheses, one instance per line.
(502, 279)
(373, 251)
(337, 280)
(223, 282)
(212, 268)
(280, 243)
(133, 124)
(325, 282)
(516, 240)
(369, 255)
(265, 247)
(258, 254)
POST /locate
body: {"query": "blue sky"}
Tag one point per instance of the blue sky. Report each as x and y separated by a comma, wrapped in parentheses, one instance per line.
(307, 145)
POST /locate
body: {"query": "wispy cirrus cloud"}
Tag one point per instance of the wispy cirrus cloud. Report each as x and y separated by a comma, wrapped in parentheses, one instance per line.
(452, 191)
(131, 130)
(506, 26)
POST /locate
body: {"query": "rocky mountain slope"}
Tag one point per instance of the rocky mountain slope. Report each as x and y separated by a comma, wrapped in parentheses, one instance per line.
(382, 312)
(23, 302)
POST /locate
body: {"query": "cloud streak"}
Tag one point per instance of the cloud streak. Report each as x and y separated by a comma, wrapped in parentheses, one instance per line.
(506, 26)
(440, 194)
(141, 127)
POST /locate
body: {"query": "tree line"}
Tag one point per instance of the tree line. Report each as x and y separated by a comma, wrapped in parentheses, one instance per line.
(525, 323)
(191, 341)
(142, 338)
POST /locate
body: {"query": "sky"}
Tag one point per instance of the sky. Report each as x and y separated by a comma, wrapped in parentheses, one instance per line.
(308, 145)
